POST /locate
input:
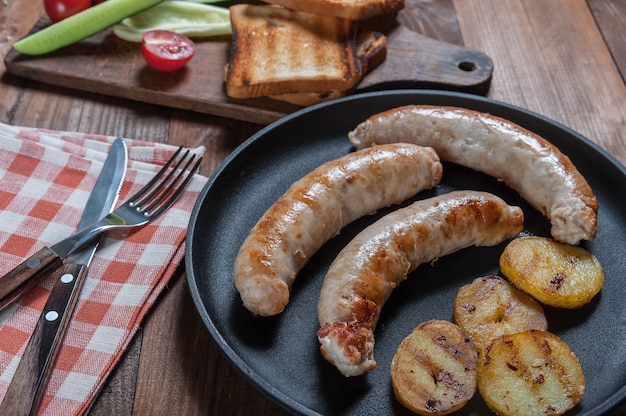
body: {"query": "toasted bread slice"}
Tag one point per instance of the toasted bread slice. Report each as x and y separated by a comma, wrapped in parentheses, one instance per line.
(279, 51)
(371, 50)
(346, 9)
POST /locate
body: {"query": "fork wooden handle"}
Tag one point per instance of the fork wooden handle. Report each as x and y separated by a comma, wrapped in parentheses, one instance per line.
(29, 382)
(26, 275)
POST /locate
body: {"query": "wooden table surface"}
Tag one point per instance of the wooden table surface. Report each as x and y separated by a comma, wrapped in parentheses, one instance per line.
(564, 59)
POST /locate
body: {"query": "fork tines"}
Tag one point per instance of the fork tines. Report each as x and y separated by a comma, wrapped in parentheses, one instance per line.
(168, 183)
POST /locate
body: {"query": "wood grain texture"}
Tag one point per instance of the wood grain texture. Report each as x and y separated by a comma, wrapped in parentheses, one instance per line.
(433, 18)
(111, 66)
(540, 50)
(26, 275)
(14, 23)
(609, 15)
(118, 394)
(550, 57)
(205, 379)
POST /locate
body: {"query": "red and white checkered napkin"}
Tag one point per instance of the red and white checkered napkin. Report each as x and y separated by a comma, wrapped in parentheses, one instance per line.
(45, 180)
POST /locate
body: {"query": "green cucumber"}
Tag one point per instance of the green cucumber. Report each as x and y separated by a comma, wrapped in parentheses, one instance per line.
(192, 19)
(201, 1)
(81, 25)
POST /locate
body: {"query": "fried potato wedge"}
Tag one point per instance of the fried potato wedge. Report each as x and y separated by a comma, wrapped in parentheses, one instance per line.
(491, 306)
(530, 373)
(554, 273)
(434, 369)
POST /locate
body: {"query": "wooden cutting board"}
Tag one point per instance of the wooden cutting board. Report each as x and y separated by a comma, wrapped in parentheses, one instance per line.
(108, 65)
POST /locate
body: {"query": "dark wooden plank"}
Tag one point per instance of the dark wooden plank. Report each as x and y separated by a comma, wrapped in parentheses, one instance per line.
(611, 17)
(186, 395)
(58, 108)
(188, 375)
(15, 21)
(550, 57)
(416, 61)
(118, 392)
(108, 65)
(436, 19)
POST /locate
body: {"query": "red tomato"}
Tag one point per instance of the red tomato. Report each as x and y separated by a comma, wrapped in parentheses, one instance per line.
(166, 51)
(58, 10)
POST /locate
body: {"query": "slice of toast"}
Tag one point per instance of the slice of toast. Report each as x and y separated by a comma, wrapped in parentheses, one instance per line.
(346, 9)
(280, 51)
(371, 50)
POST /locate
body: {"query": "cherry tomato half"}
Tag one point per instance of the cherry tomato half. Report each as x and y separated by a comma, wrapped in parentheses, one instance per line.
(166, 51)
(58, 10)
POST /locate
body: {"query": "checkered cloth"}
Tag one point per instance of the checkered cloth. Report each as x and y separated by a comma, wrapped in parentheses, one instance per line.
(45, 180)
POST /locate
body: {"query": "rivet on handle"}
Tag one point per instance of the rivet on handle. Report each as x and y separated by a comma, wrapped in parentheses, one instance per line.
(32, 263)
(67, 278)
(52, 316)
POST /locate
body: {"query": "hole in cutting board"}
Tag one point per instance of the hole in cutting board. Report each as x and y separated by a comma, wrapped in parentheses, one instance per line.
(467, 66)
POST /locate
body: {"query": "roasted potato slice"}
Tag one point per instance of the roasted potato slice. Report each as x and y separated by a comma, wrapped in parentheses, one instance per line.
(491, 306)
(434, 369)
(556, 274)
(530, 373)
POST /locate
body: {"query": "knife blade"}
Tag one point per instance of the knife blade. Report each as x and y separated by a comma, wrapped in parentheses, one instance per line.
(45, 261)
(29, 382)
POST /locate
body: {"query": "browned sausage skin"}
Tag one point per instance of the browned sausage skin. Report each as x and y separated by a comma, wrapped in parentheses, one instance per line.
(526, 162)
(316, 207)
(365, 272)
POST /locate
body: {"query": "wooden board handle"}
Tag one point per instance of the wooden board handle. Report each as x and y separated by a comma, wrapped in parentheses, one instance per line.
(413, 61)
(416, 61)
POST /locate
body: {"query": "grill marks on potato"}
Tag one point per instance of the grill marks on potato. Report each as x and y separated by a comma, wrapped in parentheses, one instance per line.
(490, 306)
(434, 369)
(530, 372)
(522, 369)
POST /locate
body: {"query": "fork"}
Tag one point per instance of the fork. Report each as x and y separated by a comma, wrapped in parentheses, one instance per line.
(144, 206)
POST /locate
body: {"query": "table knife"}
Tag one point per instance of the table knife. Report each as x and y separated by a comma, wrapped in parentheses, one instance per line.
(29, 382)
(47, 260)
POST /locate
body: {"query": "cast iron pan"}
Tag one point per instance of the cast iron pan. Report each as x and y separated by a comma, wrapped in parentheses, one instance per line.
(280, 355)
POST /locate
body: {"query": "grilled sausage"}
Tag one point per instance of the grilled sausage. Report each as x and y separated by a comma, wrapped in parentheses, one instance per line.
(365, 272)
(316, 207)
(526, 162)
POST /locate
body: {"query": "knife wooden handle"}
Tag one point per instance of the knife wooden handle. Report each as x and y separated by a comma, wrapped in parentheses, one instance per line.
(29, 382)
(26, 275)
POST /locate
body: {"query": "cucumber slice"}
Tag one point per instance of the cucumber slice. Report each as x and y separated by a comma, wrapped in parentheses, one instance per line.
(192, 19)
(81, 25)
